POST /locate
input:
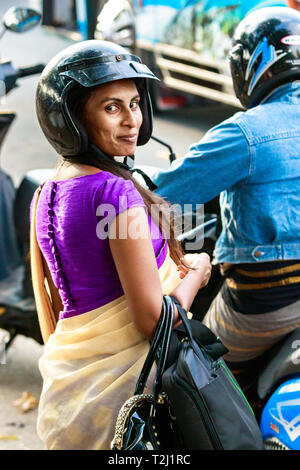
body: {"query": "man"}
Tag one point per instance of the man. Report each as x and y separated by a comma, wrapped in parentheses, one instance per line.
(253, 161)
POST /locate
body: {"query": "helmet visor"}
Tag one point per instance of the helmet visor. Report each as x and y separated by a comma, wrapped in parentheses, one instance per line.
(98, 70)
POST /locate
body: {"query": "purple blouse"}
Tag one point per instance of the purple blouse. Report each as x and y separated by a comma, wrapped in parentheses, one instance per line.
(72, 221)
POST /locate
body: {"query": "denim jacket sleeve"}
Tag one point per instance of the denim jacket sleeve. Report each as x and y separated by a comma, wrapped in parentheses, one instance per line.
(220, 160)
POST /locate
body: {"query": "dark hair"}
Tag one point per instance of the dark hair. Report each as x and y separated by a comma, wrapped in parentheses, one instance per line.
(165, 219)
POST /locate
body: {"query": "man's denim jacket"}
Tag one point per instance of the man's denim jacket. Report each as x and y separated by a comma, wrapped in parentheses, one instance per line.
(253, 160)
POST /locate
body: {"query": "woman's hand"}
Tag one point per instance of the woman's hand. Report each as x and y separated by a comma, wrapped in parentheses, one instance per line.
(192, 279)
(199, 263)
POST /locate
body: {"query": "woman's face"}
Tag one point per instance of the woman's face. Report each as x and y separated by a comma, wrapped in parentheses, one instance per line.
(112, 117)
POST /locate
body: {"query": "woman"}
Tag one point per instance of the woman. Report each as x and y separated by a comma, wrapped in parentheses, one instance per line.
(106, 256)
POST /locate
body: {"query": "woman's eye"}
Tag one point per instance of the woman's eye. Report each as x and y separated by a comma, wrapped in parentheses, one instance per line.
(111, 107)
(134, 104)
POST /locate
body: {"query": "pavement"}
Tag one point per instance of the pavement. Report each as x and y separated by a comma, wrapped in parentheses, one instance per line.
(20, 374)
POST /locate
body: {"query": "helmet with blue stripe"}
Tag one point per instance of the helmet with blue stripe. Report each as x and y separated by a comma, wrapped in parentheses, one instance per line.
(265, 53)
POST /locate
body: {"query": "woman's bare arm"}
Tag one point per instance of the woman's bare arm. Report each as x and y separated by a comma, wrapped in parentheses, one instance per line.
(137, 269)
(133, 254)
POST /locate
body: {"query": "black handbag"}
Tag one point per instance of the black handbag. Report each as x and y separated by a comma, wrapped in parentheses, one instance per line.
(146, 421)
(196, 404)
(211, 410)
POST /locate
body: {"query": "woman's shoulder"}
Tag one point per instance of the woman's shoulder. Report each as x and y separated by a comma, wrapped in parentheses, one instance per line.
(96, 177)
(86, 182)
(102, 187)
(120, 191)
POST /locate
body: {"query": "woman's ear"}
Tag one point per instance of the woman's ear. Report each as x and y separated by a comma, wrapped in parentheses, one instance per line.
(75, 105)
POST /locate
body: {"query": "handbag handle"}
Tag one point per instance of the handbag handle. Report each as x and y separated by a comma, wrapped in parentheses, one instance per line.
(160, 343)
(183, 315)
(200, 335)
(141, 382)
(163, 350)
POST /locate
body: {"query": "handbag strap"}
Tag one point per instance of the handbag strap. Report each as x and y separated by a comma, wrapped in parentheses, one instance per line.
(159, 348)
(163, 350)
(199, 333)
(141, 382)
(183, 315)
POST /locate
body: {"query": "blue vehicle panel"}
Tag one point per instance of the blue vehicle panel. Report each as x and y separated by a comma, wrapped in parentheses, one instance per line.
(186, 42)
(155, 17)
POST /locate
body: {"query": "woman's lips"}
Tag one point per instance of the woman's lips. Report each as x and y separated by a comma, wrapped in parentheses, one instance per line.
(129, 138)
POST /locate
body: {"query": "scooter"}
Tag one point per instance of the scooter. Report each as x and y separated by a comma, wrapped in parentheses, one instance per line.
(279, 378)
(17, 307)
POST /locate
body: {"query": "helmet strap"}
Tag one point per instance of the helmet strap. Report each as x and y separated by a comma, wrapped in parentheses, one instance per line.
(127, 164)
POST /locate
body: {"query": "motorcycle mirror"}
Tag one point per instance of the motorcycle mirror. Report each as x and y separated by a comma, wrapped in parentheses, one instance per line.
(19, 19)
(172, 155)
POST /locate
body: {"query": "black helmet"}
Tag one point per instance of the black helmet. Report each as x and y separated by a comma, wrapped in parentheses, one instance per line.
(265, 53)
(85, 64)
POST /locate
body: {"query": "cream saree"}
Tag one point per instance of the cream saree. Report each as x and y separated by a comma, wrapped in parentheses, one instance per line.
(90, 364)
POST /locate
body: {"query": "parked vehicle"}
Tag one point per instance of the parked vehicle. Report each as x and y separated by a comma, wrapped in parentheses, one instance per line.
(185, 42)
(17, 307)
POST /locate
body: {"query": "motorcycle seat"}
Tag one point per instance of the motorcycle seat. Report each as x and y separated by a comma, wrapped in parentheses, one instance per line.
(280, 361)
(24, 194)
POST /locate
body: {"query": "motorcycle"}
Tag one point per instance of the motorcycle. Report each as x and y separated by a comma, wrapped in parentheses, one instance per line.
(278, 384)
(279, 378)
(17, 307)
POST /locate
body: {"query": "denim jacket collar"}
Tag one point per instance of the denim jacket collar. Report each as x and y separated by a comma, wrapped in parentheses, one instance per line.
(289, 92)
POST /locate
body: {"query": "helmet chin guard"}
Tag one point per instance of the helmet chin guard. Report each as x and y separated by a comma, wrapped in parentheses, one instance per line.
(86, 64)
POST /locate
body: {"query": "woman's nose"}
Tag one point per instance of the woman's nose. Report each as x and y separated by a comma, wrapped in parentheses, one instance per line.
(130, 119)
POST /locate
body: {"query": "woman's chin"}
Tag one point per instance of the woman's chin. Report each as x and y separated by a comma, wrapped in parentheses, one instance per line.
(127, 149)
(119, 150)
